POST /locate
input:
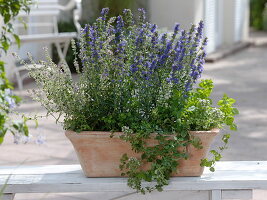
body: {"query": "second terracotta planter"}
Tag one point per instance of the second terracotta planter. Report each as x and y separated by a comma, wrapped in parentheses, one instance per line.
(100, 155)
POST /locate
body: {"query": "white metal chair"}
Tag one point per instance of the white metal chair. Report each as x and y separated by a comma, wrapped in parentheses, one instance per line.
(46, 9)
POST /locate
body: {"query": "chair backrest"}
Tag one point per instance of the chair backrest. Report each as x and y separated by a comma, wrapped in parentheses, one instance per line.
(42, 18)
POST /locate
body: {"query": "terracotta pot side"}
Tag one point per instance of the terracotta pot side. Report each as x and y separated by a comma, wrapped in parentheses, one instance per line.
(100, 155)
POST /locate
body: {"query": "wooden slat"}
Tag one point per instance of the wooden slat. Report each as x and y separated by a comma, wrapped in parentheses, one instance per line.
(69, 178)
(7, 197)
(46, 24)
(40, 169)
(47, 1)
(224, 166)
(49, 37)
(167, 195)
(38, 12)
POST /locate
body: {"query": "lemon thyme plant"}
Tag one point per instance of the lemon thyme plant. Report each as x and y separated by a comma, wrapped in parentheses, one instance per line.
(142, 83)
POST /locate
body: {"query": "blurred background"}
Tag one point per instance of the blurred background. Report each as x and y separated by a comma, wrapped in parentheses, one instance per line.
(228, 23)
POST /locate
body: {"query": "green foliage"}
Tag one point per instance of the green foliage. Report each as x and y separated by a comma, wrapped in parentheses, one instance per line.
(193, 114)
(8, 11)
(200, 113)
(135, 81)
(116, 6)
(257, 8)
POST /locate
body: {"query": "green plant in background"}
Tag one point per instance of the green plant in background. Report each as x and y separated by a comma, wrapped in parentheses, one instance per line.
(8, 11)
(257, 8)
(116, 6)
(140, 82)
(70, 56)
(265, 18)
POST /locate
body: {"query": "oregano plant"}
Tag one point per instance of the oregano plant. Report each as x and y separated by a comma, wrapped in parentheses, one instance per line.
(135, 80)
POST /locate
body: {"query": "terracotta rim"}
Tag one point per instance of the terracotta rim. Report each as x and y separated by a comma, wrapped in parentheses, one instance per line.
(94, 133)
(215, 130)
(118, 134)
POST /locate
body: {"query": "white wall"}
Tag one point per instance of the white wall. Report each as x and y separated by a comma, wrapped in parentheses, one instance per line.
(236, 21)
(241, 20)
(213, 20)
(226, 21)
(168, 12)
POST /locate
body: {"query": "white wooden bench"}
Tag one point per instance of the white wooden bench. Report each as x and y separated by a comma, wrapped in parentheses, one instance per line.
(232, 180)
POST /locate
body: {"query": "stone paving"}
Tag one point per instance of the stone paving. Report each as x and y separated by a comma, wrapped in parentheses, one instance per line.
(242, 76)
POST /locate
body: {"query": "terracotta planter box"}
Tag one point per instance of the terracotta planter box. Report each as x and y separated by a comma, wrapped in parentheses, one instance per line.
(100, 155)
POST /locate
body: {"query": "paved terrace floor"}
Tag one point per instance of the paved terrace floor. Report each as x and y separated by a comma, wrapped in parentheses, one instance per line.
(242, 76)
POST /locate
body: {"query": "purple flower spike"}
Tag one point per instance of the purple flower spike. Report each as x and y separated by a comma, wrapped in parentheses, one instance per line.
(120, 23)
(188, 86)
(85, 30)
(132, 51)
(133, 68)
(176, 28)
(104, 11)
(201, 25)
(153, 28)
(140, 37)
(142, 16)
(125, 11)
(200, 29)
(119, 28)
(205, 41)
(142, 11)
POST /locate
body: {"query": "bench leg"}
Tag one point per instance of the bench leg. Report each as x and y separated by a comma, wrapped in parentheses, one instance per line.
(62, 51)
(216, 195)
(7, 196)
(246, 194)
(19, 80)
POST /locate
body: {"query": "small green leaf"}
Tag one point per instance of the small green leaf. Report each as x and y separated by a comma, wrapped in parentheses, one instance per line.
(225, 138)
(220, 103)
(229, 120)
(231, 100)
(17, 39)
(25, 130)
(1, 140)
(235, 111)
(212, 169)
(7, 17)
(233, 127)
(5, 45)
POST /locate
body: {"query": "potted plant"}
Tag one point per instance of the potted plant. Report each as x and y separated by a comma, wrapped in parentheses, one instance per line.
(136, 109)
